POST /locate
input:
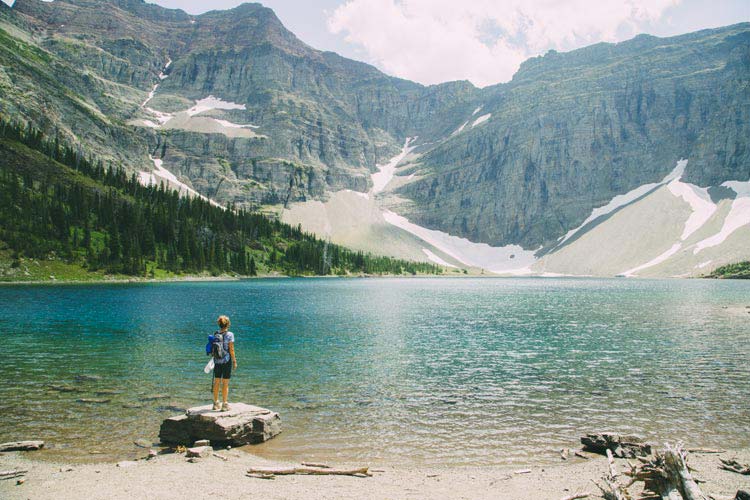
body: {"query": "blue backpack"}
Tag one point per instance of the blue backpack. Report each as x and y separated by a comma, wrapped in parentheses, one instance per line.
(215, 346)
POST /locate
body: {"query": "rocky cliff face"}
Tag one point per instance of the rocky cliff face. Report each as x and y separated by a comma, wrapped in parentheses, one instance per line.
(238, 108)
(323, 121)
(571, 131)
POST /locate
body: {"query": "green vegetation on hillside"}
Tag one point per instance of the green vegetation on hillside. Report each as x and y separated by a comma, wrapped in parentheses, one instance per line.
(740, 270)
(58, 205)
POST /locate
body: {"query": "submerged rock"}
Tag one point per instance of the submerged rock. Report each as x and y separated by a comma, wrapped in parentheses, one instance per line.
(107, 392)
(242, 424)
(170, 408)
(97, 401)
(63, 388)
(142, 443)
(154, 397)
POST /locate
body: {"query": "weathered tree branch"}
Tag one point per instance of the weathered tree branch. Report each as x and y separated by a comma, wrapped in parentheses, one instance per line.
(282, 471)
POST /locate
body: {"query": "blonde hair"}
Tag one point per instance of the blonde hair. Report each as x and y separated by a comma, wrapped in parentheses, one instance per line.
(223, 322)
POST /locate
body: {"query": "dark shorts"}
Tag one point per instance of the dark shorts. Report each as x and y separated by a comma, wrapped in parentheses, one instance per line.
(223, 370)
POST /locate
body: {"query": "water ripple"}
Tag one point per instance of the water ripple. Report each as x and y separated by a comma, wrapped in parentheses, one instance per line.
(423, 371)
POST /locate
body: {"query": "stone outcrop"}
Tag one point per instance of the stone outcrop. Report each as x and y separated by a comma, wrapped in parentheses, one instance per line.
(242, 424)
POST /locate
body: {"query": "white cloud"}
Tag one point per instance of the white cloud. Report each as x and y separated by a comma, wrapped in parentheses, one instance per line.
(484, 41)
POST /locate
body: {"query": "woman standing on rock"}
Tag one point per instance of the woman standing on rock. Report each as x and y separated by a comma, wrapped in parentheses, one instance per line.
(222, 349)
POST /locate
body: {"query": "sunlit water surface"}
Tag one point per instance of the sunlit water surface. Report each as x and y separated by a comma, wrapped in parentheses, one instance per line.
(416, 371)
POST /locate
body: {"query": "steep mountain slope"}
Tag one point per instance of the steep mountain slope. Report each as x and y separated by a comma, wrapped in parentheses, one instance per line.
(570, 131)
(65, 216)
(233, 106)
(292, 122)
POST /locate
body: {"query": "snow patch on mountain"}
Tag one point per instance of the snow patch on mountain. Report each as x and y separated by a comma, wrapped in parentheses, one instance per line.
(510, 259)
(211, 102)
(738, 216)
(228, 124)
(385, 173)
(656, 260)
(481, 120)
(699, 201)
(161, 174)
(625, 199)
(150, 95)
(434, 258)
(477, 110)
(460, 129)
(162, 76)
(187, 119)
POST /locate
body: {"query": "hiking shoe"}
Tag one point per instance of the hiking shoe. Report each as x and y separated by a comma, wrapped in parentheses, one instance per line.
(225, 406)
(216, 406)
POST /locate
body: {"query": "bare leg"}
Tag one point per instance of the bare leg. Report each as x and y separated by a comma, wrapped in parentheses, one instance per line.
(217, 382)
(225, 389)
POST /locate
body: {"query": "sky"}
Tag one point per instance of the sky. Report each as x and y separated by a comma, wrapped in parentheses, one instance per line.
(483, 41)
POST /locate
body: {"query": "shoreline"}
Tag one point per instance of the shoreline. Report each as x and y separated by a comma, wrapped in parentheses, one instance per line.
(172, 476)
(209, 279)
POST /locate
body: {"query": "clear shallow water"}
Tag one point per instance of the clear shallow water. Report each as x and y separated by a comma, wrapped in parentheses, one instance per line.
(420, 371)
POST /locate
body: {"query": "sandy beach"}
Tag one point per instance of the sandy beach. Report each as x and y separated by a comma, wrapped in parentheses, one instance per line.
(171, 476)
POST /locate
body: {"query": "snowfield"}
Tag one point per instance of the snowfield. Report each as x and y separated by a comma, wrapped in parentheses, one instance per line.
(211, 102)
(622, 200)
(385, 173)
(188, 119)
(509, 259)
(700, 202)
(738, 216)
(652, 230)
(437, 260)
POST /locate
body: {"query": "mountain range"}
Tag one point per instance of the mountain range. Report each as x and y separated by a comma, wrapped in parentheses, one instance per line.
(615, 159)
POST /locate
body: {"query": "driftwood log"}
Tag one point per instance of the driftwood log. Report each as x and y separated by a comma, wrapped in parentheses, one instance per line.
(313, 464)
(12, 474)
(735, 466)
(283, 471)
(22, 446)
(666, 476)
(620, 445)
(612, 489)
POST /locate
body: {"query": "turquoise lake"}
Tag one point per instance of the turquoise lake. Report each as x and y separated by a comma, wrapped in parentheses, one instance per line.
(423, 371)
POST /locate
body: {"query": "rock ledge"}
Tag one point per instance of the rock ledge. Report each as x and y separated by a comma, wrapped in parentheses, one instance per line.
(242, 424)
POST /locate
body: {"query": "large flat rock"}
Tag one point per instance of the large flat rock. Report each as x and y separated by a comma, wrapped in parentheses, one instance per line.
(242, 424)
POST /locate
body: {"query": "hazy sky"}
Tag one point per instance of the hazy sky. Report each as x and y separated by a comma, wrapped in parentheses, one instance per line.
(432, 41)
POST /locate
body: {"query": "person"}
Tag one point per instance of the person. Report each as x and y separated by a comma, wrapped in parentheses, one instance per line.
(223, 367)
